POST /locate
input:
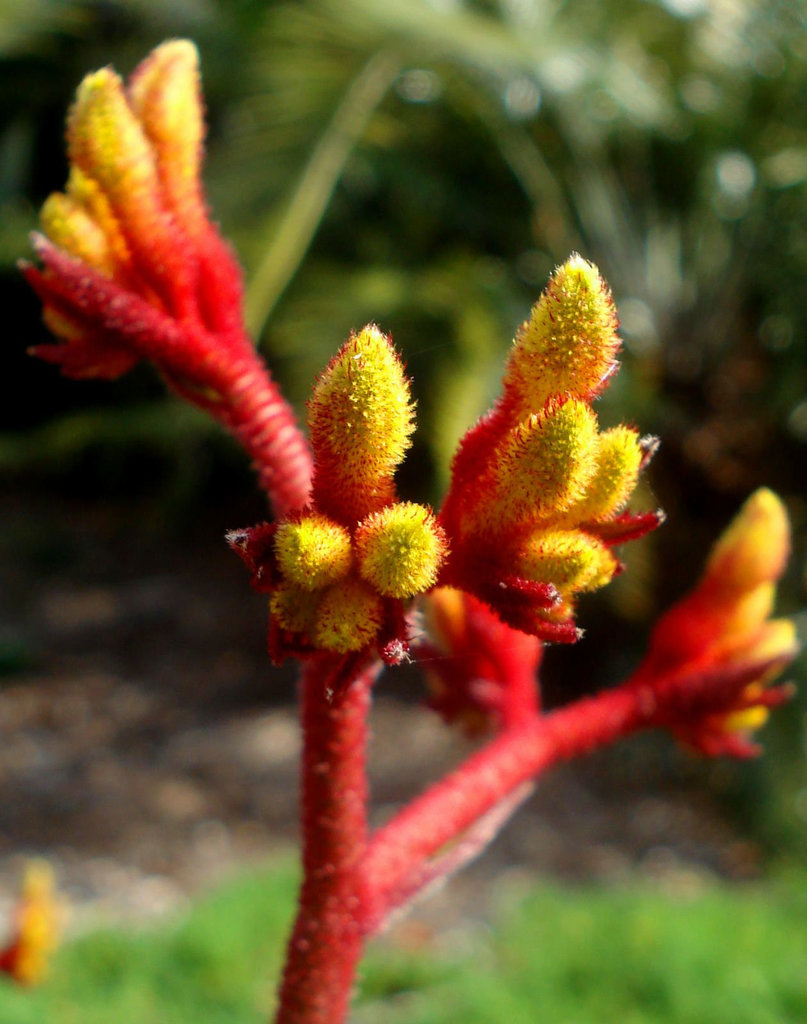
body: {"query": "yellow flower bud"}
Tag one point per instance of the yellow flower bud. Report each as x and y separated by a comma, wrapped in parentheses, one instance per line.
(754, 548)
(570, 559)
(165, 95)
(107, 143)
(617, 461)
(746, 720)
(543, 466)
(349, 617)
(312, 552)
(569, 343)
(87, 192)
(68, 225)
(400, 549)
(294, 609)
(360, 418)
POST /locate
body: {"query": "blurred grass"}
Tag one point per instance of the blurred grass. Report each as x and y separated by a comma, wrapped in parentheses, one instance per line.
(586, 955)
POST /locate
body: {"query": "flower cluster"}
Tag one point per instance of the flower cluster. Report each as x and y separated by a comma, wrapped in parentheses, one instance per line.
(341, 571)
(530, 520)
(535, 505)
(717, 647)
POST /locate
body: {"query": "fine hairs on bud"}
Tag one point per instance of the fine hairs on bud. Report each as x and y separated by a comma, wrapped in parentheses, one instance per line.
(360, 419)
(568, 345)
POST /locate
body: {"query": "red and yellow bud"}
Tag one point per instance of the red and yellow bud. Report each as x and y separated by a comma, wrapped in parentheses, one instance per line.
(717, 645)
(568, 345)
(36, 927)
(753, 550)
(360, 420)
(313, 551)
(400, 549)
(107, 143)
(543, 467)
(349, 617)
(533, 482)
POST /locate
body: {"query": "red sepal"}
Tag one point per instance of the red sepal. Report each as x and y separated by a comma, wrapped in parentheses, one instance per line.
(254, 545)
(628, 526)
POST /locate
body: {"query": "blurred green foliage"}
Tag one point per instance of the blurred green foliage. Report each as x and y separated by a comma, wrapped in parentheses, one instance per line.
(425, 164)
(693, 955)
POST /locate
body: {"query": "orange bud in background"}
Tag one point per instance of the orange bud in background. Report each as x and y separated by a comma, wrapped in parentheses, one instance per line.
(36, 927)
(718, 643)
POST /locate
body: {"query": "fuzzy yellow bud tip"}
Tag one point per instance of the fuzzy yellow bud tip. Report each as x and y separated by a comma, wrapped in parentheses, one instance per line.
(754, 548)
(165, 95)
(569, 343)
(68, 225)
(400, 549)
(312, 552)
(569, 559)
(361, 419)
(545, 464)
(617, 462)
(105, 138)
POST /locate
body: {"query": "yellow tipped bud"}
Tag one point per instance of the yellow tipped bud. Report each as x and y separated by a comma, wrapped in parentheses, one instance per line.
(569, 343)
(744, 611)
(570, 559)
(68, 225)
(349, 617)
(360, 418)
(313, 552)
(748, 719)
(165, 95)
(106, 141)
(294, 609)
(617, 461)
(774, 640)
(400, 549)
(543, 466)
(754, 548)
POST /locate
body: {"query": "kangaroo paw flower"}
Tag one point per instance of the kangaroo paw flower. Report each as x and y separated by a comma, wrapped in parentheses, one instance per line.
(134, 221)
(538, 491)
(133, 269)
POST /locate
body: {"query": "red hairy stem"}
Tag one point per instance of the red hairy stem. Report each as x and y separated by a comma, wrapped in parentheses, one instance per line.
(265, 424)
(327, 939)
(454, 804)
(520, 704)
